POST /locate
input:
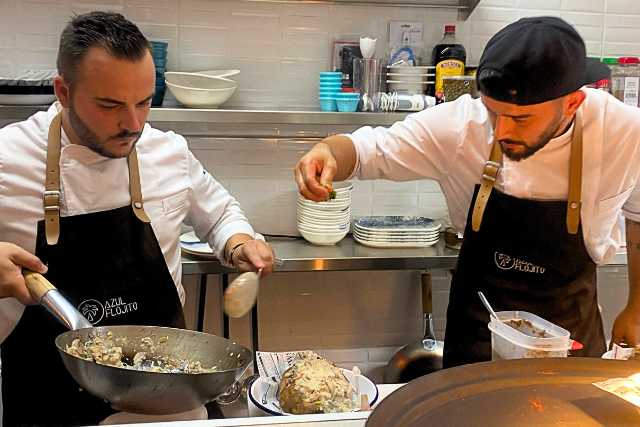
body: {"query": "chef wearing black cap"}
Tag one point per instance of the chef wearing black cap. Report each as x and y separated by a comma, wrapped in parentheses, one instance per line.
(541, 169)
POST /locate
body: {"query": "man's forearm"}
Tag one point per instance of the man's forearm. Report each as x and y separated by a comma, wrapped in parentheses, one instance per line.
(344, 151)
(633, 263)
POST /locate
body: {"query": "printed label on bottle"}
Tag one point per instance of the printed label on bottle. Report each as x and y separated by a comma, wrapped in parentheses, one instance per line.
(631, 88)
(448, 67)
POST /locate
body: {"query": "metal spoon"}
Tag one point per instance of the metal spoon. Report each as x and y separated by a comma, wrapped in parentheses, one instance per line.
(242, 293)
(488, 306)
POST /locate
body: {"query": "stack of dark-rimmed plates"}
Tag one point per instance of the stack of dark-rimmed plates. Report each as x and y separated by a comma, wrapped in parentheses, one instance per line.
(396, 231)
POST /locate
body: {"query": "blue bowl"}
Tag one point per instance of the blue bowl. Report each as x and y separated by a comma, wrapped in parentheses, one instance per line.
(328, 92)
(162, 63)
(330, 73)
(157, 44)
(333, 87)
(330, 79)
(348, 95)
(158, 96)
(328, 104)
(347, 105)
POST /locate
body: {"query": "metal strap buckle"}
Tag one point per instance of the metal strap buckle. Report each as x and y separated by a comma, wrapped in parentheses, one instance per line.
(51, 200)
(490, 171)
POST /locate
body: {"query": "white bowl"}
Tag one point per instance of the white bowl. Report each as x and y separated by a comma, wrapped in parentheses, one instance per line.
(319, 228)
(262, 395)
(323, 238)
(407, 69)
(198, 81)
(219, 73)
(410, 87)
(331, 205)
(201, 98)
(323, 222)
(410, 77)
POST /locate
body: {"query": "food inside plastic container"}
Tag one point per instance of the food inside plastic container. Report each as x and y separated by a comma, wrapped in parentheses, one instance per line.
(521, 335)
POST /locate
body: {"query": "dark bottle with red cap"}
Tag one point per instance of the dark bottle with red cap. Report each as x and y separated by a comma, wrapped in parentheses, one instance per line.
(449, 57)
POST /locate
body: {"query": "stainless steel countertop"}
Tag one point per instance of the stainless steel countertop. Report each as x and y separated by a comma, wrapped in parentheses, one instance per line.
(299, 255)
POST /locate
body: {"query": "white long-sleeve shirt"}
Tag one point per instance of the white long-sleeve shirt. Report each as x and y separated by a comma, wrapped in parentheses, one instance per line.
(451, 143)
(175, 188)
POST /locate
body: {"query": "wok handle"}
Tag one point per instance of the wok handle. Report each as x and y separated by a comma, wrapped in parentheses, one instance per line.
(427, 296)
(48, 296)
(37, 284)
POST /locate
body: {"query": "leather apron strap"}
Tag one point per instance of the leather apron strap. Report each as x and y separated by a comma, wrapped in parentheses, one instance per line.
(51, 196)
(574, 201)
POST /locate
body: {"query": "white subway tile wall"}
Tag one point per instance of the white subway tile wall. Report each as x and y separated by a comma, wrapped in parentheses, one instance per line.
(279, 49)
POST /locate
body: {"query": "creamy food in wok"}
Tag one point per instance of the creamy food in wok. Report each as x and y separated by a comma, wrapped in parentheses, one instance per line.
(108, 350)
(314, 385)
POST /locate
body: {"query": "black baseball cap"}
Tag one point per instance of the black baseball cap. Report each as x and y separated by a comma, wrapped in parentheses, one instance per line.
(534, 60)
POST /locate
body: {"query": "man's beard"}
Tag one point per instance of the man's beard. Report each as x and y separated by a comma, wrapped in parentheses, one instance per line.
(529, 151)
(90, 140)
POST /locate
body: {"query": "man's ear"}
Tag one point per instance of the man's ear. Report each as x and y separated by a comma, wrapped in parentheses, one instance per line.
(62, 90)
(573, 101)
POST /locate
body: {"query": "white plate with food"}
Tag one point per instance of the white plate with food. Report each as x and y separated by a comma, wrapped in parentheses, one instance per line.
(263, 393)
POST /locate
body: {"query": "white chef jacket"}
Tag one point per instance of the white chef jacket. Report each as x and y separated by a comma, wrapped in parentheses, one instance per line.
(451, 143)
(175, 188)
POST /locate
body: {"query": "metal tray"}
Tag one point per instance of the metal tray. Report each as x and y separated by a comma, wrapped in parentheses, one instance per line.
(525, 392)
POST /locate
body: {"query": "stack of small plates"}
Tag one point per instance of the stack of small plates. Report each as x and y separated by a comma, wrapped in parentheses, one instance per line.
(326, 223)
(396, 231)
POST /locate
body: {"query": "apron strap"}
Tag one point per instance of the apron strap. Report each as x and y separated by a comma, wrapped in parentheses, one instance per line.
(135, 188)
(51, 196)
(574, 200)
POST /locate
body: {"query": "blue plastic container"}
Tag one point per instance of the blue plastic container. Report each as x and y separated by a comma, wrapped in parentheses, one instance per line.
(159, 46)
(330, 79)
(162, 62)
(158, 95)
(328, 92)
(330, 86)
(330, 74)
(347, 105)
(347, 95)
(328, 104)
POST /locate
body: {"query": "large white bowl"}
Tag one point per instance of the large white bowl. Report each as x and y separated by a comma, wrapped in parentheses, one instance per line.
(219, 73)
(201, 98)
(323, 238)
(410, 77)
(331, 205)
(327, 222)
(198, 81)
(317, 228)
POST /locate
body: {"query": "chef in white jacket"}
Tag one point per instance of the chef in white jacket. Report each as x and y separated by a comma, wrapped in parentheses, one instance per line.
(106, 220)
(536, 172)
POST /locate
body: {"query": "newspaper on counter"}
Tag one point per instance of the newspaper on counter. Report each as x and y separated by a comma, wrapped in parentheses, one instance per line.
(626, 388)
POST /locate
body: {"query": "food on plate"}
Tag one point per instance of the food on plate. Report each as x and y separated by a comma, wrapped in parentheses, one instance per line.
(108, 350)
(314, 385)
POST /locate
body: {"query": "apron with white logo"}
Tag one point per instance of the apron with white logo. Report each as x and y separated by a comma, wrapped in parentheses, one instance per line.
(110, 266)
(527, 255)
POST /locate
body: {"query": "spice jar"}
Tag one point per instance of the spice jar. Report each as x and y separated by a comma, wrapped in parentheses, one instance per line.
(625, 80)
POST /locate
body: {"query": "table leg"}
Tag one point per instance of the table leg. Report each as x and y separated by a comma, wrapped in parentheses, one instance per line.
(201, 303)
(225, 318)
(255, 345)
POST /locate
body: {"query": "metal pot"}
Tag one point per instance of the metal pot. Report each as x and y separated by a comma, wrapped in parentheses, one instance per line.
(139, 391)
(421, 357)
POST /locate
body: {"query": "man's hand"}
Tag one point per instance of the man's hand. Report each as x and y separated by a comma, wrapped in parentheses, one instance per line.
(12, 259)
(254, 255)
(315, 171)
(626, 328)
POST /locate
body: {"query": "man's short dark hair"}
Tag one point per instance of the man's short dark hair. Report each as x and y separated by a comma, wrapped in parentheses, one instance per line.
(111, 31)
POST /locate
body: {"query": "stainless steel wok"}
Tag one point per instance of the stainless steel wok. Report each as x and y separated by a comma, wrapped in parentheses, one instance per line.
(142, 391)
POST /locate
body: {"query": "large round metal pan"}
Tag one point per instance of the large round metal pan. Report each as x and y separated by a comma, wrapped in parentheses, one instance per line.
(525, 392)
(155, 392)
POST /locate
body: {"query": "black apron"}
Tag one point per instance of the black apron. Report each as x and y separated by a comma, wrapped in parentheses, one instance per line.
(110, 266)
(522, 258)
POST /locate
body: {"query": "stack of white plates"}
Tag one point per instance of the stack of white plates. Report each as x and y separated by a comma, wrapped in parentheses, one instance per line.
(410, 79)
(396, 231)
(326, 223)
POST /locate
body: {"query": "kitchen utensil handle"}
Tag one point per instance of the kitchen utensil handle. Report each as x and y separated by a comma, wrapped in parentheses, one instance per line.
(427, 293)
(37, 284)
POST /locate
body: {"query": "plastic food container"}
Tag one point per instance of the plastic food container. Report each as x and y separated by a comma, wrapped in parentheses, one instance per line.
(539, 339)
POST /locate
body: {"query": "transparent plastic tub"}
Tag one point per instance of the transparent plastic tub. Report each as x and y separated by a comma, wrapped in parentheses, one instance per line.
(522, 335)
